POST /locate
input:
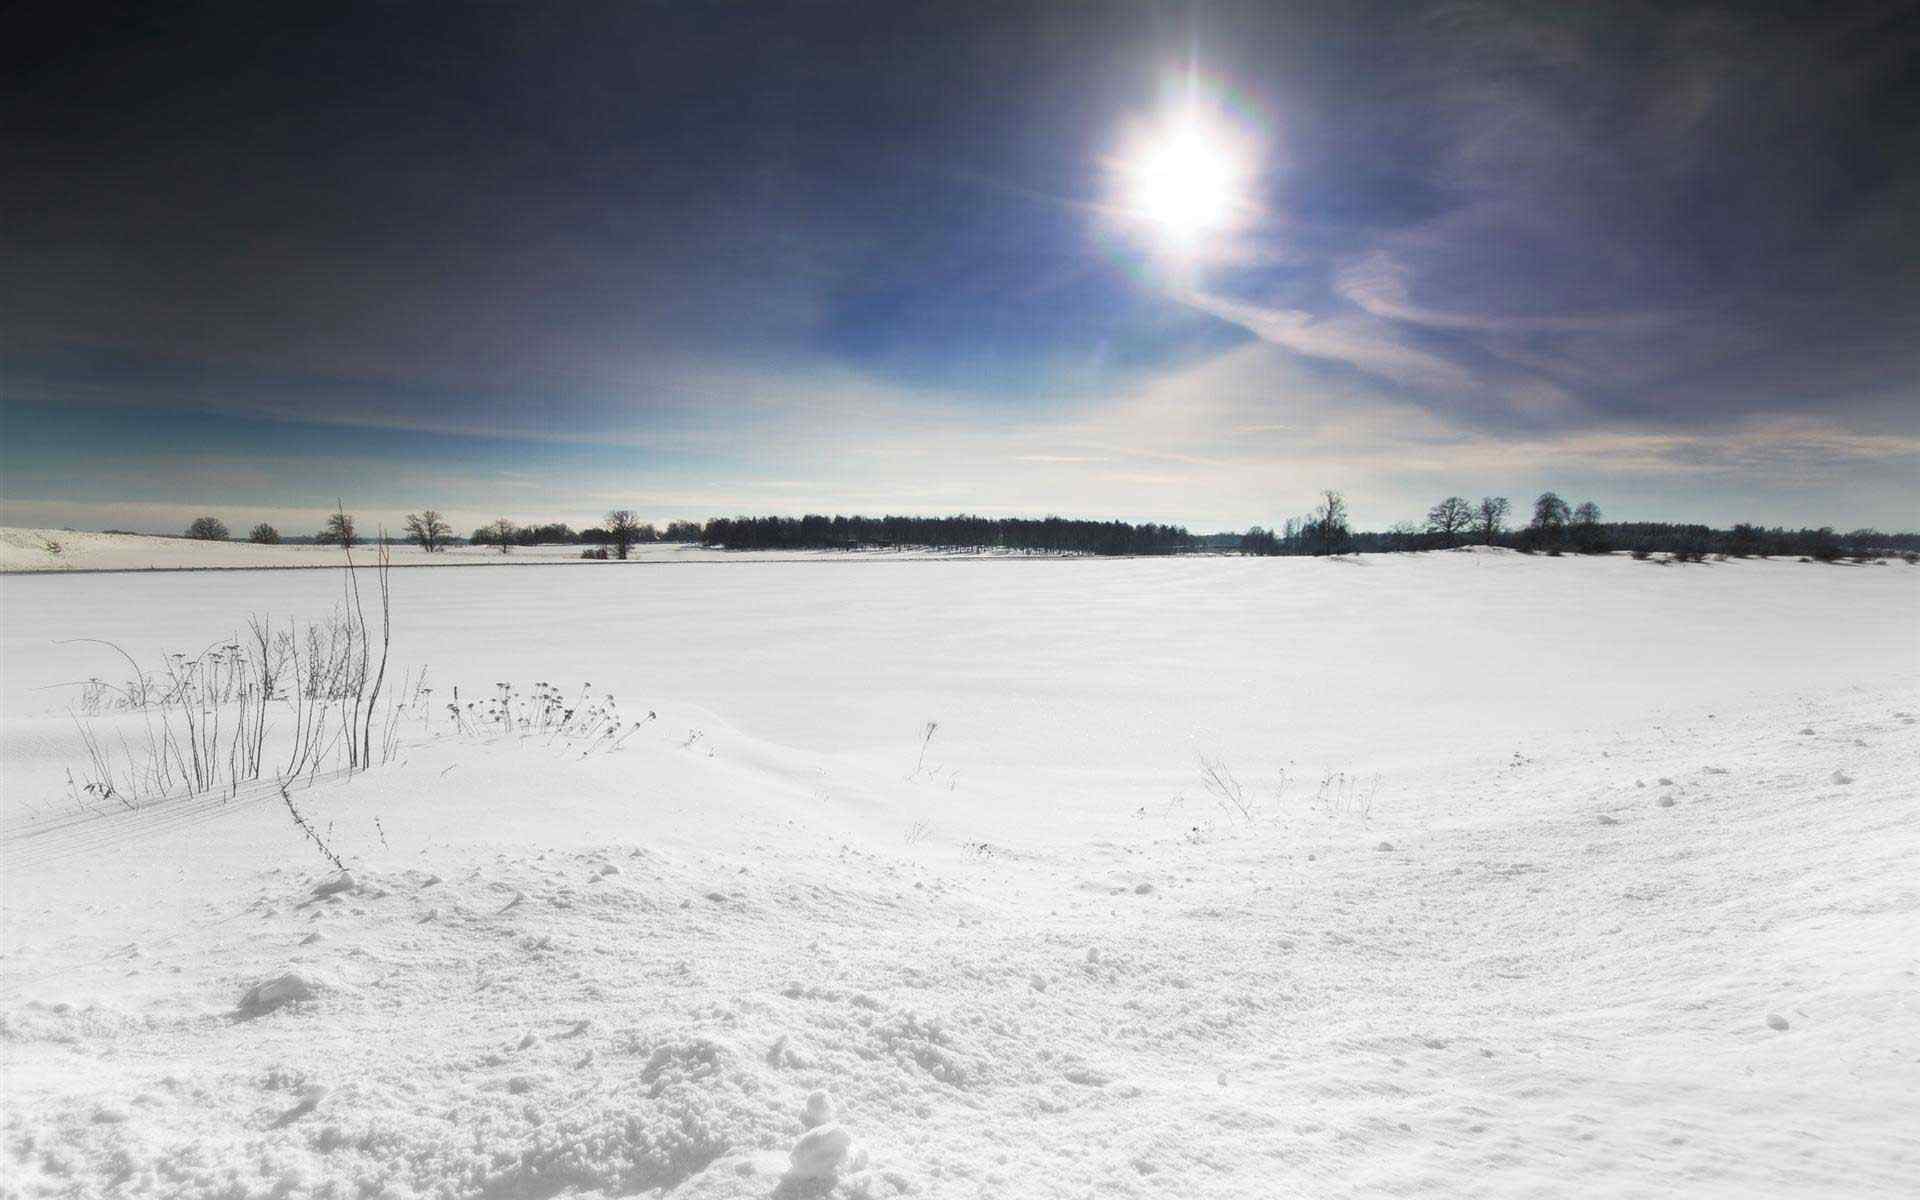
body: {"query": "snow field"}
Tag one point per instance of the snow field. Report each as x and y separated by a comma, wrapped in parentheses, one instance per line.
(54, 551)
(1665, 945)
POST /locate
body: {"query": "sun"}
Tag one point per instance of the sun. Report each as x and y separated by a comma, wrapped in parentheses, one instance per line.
(1186, 180)
(1184, 184)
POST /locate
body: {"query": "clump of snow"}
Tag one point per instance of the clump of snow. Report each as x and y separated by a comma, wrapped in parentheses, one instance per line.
(820, 1153)
(333, 885)
(819, 1109)
(292, 987)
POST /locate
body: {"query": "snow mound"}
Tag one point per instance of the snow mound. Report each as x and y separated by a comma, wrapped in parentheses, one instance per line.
(820, 1153)
(294, 987)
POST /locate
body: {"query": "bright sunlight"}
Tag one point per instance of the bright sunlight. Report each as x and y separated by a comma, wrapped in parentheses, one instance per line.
(1187, 179)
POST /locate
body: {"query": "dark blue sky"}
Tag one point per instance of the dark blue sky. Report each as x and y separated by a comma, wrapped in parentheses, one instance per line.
(700, 258)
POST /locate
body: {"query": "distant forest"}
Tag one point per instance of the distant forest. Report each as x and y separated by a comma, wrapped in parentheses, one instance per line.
(1054, 535)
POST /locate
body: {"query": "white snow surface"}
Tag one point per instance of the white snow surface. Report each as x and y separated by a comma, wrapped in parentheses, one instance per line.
(1584, 877)
(43, 550)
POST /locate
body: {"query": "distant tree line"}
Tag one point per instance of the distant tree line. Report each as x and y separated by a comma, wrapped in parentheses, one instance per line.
(1057, 535)
(1554, 527)
(621, 529)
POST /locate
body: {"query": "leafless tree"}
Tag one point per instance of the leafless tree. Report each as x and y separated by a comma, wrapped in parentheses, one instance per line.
(1491, 517)
(339, 531)
(429, 529)
(624, 527)
(1588, 537)
(1449, 517)
(208, 529)
(1329, 523)
(264, 534)
(1550, 513)
(503, 530)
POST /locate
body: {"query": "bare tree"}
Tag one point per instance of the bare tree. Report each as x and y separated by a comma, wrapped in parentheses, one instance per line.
(1588, 537)
(1329, 522)
(1449, 517)
(1550, 512)
(1491, 517)
(264, 534)
(429, 529)
(624, 528)
(503, 530)
(339, 531)
(208, 529)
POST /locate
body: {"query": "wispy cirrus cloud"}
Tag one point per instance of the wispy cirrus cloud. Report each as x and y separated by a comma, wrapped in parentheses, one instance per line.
(1357, 341)
(1380, 284)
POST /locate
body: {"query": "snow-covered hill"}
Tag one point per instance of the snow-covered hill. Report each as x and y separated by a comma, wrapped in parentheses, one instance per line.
(1458, 874)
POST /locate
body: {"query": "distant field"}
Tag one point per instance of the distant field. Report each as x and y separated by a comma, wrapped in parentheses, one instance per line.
(63, 550)
(54, 550)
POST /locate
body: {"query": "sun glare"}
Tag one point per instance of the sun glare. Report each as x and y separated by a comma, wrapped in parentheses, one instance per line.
(1186, 180)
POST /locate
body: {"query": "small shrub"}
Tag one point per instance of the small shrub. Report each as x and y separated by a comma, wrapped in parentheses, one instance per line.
(205, 717)
(1641, 554)
(599, 553)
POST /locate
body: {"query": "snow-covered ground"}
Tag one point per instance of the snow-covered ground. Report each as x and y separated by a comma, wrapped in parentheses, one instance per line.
(38, 550)
(1513, 877)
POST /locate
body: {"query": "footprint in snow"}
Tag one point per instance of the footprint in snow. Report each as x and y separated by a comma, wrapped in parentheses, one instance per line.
(310, 1098)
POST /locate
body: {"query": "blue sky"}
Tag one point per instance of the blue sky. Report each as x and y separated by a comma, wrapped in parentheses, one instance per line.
(700, 259)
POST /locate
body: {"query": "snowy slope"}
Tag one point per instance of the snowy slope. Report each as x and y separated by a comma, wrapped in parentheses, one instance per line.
(1582, 878)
